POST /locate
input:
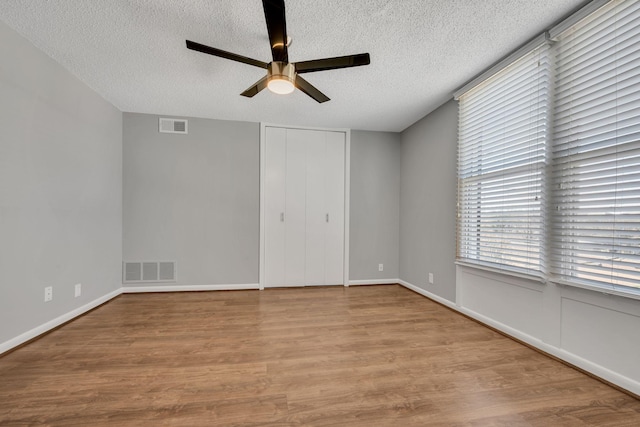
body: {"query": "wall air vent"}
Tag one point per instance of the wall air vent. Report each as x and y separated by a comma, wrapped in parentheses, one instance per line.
(149, 271)
(173, 126)
(132, 271)
(167, 271)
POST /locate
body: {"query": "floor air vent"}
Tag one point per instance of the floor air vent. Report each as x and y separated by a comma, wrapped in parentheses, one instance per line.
(173, 126)
(149, 271)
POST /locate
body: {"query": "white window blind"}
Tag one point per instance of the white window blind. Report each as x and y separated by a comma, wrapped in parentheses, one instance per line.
(501, 165)
(595, 235)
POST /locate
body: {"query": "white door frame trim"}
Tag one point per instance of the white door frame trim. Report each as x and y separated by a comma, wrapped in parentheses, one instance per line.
(347, 188)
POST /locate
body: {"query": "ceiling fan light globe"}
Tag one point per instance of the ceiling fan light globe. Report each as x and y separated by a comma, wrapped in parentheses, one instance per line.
(280, 86)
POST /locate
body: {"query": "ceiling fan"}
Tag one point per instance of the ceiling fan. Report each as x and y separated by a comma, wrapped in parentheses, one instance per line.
(283, 76)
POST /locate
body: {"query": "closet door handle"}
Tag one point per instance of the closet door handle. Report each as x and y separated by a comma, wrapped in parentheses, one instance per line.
(327, 217)
(281, 216)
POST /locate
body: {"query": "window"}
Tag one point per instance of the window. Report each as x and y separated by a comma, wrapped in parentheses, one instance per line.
(596, 150)
(573, 127)
(501, 162)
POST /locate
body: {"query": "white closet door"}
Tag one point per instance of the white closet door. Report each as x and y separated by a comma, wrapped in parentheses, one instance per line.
(295, 212)
(334, 205)
(304, 207)
(274, 212)
(315, 208)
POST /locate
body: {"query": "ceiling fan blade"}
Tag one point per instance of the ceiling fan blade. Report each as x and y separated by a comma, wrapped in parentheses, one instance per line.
(310, 90)
(256, 88)
(224, 54)
(333, 63)
(277, 28)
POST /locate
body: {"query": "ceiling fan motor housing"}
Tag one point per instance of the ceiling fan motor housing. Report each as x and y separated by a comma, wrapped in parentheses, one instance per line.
(278, 70)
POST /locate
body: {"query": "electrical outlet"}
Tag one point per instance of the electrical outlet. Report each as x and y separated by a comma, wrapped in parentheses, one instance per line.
(78, 290)
(431, 278)
(380, 267)
(48, 293)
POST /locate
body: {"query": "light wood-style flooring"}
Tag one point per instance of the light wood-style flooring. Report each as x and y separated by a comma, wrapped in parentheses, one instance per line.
(334, 356)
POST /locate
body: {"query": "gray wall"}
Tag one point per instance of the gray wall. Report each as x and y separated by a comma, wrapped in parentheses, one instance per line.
(193, 198)
(60, 189)
(375, 205)
(428, 201)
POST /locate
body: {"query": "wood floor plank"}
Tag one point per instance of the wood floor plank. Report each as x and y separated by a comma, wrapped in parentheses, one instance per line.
(360, 356)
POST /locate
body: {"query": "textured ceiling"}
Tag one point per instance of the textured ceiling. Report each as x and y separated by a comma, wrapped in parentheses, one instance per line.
(133, 53)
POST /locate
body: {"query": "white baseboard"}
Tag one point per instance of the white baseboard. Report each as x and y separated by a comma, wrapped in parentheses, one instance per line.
(187, 288)
(374, 282)
(46, 327)
(593, 368)
(429, 295)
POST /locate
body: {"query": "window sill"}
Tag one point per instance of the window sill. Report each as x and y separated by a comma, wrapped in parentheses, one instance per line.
(532, 277)
(607, 291)
(631, 294)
